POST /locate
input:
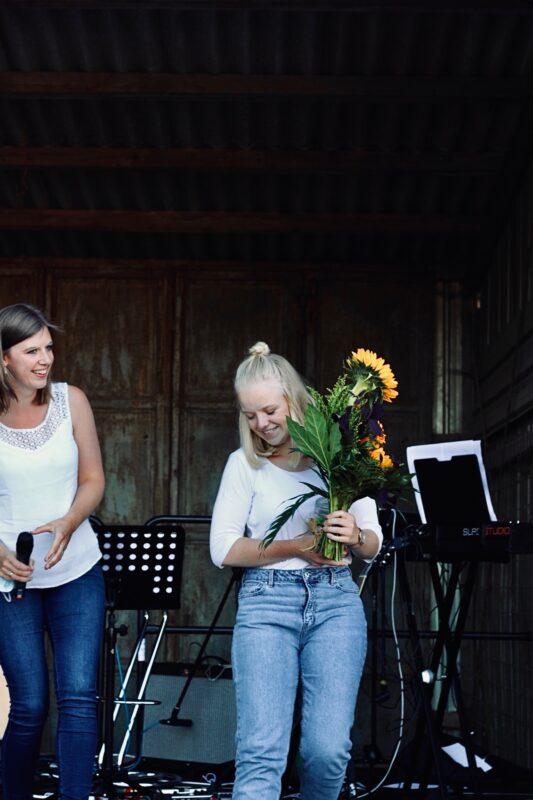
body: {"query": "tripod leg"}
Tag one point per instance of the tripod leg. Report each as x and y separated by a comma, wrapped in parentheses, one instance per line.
(173, 720)
(132, 662)
(453, 644)
(453, 641)
(142, 689)
(105, 759)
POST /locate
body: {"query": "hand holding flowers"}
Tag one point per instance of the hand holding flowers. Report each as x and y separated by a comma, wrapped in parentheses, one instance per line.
(342, 432)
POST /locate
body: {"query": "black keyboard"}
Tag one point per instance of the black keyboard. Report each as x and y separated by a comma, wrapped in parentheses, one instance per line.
(491, 541)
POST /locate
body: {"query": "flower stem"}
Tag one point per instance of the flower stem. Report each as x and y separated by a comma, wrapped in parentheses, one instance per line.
(333, 551)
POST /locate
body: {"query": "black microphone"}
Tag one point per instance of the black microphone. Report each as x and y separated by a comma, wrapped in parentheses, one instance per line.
(24, 548)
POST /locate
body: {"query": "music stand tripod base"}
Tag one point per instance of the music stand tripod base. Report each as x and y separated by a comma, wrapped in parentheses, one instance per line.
(142, 567)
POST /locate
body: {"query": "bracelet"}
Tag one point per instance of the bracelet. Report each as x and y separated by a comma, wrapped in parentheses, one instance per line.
(362, 537)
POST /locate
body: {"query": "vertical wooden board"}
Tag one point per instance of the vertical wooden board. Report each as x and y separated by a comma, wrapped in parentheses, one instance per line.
(500, 671)
(118, 349)
(395, 321)
(498, 674)
(129, 442)
(222, 320)
(208, 436)
(116, 343)
(402, 428)
(176, 303)
(21, 286)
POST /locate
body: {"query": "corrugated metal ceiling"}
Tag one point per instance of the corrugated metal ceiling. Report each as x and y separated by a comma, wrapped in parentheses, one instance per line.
(428, 88)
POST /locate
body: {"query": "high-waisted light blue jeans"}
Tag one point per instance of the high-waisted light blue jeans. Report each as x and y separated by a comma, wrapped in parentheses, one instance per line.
(73, 614)
(299, 625)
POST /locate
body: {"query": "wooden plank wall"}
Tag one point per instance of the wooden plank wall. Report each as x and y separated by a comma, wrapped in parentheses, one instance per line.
(155, 349)
(500, 674)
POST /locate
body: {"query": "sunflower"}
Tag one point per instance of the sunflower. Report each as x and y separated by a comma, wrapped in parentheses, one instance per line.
(371, 373)
(383, 458)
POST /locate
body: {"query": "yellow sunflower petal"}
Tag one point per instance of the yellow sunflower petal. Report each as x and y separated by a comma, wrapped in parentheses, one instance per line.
(379, 368)
(389, 395)
(377, 454)
(366, 357)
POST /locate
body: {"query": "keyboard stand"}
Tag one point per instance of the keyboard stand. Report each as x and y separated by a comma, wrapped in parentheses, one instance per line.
(448, 641)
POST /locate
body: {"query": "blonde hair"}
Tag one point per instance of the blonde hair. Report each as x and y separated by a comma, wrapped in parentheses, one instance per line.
(262, 365)
(17, 323)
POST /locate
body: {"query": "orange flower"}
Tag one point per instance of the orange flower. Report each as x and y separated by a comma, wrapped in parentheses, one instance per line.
(381, 437)
(379, 454)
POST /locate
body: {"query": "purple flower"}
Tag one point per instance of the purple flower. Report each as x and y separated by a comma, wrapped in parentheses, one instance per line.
(343, 421)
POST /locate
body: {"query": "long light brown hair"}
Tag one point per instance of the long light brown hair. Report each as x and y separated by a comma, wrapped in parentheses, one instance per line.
(17, 323)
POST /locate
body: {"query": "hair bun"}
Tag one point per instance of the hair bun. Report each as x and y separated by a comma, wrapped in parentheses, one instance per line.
(259, 349)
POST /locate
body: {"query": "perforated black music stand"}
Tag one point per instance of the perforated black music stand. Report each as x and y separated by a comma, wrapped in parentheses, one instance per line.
(142, 567)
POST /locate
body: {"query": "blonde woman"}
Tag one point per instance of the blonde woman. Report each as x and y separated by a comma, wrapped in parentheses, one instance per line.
(300, 620)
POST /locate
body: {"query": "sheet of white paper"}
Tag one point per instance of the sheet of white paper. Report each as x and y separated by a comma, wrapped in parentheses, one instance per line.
(457, 751)
(444, 451)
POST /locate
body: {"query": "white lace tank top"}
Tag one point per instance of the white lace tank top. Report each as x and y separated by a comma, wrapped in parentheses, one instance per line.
(38, 482)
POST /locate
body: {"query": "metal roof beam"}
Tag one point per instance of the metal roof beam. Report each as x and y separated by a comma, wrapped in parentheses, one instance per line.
(371, 89)
(229, 221)
(394, 270)
(250, 160)
(368, 6)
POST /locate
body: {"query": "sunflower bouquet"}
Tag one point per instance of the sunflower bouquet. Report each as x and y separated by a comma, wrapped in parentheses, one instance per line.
(343, 433)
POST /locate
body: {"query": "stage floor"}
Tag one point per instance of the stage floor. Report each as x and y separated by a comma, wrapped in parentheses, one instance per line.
(163, 780)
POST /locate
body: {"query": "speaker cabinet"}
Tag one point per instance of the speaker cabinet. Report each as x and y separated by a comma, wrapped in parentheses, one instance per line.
(210, 705)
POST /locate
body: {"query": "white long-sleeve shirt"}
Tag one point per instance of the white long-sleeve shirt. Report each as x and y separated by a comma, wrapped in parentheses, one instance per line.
(250, 499)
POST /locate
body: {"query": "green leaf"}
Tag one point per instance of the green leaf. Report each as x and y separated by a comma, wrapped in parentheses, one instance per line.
(313, 437)
(284, 517)
(317, 490)
(335, 440)
(317, 469)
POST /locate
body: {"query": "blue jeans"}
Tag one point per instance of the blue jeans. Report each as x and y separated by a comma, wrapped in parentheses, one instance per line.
(294, 626)
(73, 614)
